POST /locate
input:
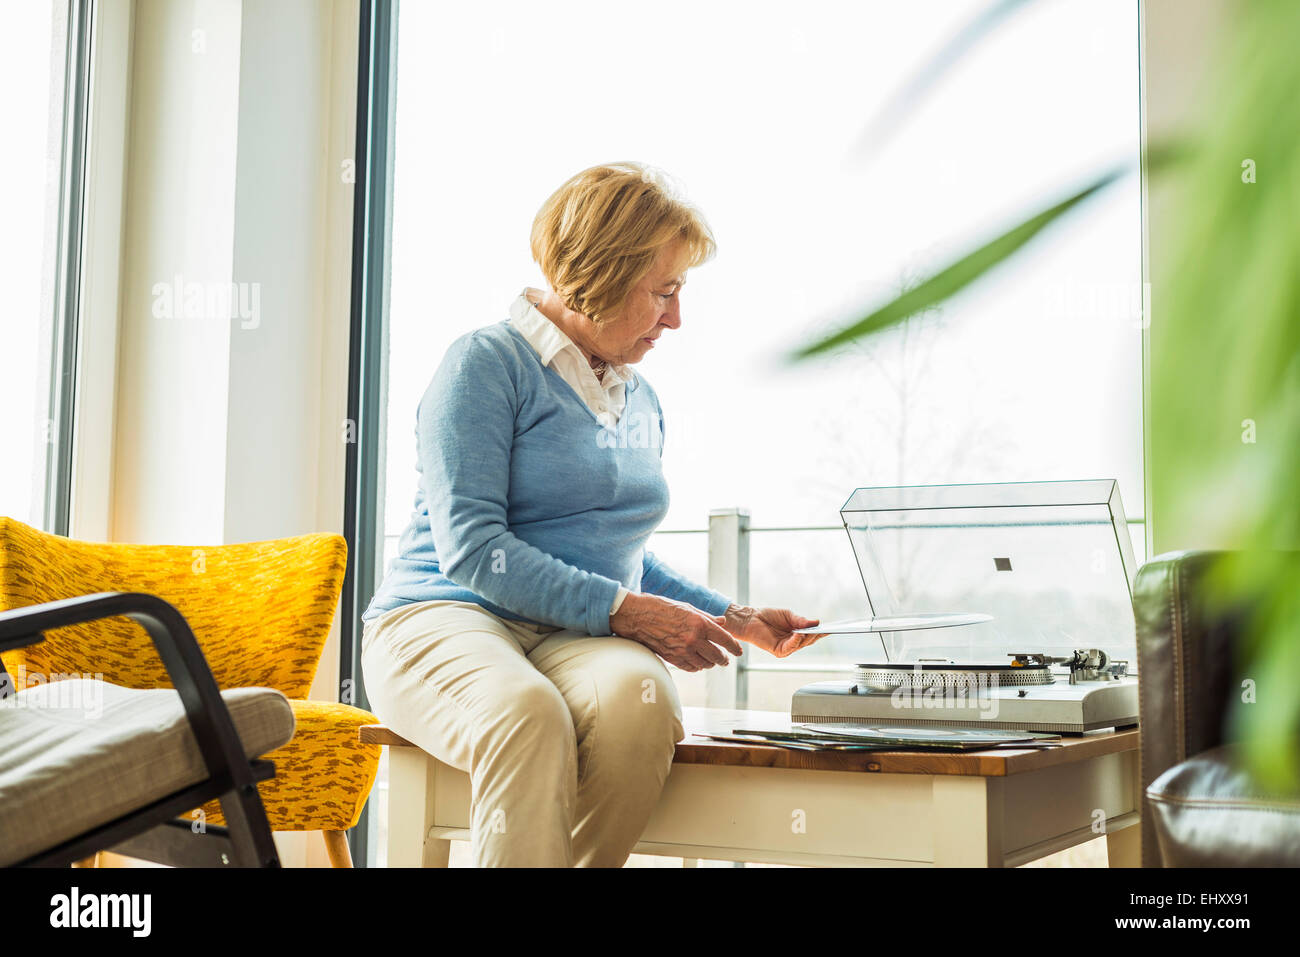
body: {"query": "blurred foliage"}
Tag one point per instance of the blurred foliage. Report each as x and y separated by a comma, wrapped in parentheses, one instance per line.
(1231, 356)
(1224, 384)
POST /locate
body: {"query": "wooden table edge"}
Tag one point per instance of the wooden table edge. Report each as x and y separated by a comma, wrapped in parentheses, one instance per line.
(694, 749)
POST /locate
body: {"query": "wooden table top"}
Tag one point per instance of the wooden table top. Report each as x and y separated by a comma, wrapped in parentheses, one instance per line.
(694, 749)
(992, 763)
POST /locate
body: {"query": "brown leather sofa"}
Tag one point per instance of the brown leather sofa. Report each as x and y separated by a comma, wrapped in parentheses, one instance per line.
(1200, 807)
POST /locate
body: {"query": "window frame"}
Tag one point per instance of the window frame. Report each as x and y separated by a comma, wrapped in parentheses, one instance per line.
(57, 467)
(368, 345)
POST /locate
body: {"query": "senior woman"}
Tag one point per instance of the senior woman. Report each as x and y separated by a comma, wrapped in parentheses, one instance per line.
(519, 633)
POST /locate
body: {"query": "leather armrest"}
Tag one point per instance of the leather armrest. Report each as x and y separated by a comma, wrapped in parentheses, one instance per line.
(1206, 812)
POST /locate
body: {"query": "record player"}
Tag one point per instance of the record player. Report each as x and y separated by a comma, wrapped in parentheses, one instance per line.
(1025, 591)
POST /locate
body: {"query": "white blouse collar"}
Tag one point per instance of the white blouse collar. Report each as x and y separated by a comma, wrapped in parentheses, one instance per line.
(548, 339)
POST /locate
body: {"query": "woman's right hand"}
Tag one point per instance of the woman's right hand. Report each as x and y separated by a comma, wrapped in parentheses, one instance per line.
(678, 633)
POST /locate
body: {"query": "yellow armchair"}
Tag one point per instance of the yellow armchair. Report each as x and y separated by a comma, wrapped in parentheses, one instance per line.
(261, 612)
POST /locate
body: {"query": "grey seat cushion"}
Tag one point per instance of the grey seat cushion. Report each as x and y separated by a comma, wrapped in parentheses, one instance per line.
(1208, 812)
(79, 753)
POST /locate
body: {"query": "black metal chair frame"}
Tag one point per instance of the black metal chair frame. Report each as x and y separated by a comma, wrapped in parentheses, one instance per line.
(153, 832)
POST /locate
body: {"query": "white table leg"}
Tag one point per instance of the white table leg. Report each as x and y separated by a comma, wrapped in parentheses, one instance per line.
(410, 811)
(1124, 847)
(967, 821)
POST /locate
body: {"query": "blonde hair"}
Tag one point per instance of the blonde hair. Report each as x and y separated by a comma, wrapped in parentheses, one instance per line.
(600, 233)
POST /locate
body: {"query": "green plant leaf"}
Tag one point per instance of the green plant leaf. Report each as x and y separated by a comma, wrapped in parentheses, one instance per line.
(960, 274)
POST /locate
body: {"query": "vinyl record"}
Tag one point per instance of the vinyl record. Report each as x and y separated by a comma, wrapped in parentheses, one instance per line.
(865, 626)
(916, 732)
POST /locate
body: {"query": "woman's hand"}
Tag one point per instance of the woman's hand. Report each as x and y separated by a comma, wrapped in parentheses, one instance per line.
(771, 629)
(677, 632)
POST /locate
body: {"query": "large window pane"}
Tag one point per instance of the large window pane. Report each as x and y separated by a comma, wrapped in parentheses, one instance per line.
(1033, 375)
(34, 61)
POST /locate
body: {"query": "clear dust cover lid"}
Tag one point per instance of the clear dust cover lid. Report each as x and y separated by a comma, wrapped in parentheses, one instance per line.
(1052, 562)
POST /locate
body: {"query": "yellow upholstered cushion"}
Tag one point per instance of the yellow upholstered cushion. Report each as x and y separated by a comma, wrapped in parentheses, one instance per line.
(322, 776)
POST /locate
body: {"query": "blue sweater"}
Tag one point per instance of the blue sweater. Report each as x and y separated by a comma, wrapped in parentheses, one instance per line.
(526, 504)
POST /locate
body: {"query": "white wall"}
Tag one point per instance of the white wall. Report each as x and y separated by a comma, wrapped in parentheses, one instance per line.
(272, 407)
(242, 115)
(170, 456)
(95, 395)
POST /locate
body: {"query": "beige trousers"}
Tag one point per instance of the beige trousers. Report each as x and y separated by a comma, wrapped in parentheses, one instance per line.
(567, 738)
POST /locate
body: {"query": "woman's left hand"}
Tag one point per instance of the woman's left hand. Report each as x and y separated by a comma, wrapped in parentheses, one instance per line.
(771, 629)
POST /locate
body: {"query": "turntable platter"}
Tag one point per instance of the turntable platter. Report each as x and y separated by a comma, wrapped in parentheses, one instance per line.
(921, 676)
